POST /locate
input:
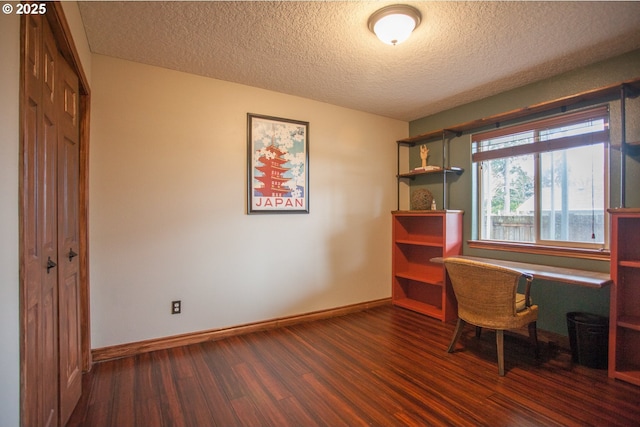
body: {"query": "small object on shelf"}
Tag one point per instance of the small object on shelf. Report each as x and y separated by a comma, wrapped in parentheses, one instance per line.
(421, 199)
(424, 153)
(428, 168)
(433, 205)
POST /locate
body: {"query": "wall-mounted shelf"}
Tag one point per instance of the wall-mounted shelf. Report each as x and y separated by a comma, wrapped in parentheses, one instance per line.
(443, 169)
(415, 173)
(561, 104)
(622, 90)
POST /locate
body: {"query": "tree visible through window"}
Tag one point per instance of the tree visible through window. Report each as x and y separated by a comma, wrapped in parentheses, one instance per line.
(545, 182)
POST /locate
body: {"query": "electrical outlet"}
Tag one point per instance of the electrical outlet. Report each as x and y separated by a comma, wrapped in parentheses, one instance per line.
(176, 307)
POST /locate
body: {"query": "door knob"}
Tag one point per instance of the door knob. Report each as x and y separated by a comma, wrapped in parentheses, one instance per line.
(71, 254)
(50, 264)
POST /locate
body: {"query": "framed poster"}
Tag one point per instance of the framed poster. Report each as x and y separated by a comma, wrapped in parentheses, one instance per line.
(278, 165)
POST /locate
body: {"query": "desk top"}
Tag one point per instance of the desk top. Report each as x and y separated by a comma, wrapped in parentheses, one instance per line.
(591, 279)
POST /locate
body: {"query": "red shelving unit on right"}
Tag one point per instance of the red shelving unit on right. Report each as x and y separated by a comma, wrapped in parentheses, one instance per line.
(624, 323)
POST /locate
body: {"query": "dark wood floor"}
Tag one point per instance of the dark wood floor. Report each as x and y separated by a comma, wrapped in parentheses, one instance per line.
(381, 367)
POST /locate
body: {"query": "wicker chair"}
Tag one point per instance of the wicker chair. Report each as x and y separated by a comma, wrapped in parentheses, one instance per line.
(487, 298)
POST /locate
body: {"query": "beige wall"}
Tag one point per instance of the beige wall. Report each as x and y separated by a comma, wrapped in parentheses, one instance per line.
(9, 303)
(168, 189)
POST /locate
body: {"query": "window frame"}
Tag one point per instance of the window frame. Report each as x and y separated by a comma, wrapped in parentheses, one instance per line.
(535, 148)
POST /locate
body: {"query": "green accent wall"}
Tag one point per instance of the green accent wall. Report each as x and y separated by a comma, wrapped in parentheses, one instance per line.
(554, 299)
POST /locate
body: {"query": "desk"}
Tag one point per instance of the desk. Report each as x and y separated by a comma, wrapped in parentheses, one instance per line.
(590, 279)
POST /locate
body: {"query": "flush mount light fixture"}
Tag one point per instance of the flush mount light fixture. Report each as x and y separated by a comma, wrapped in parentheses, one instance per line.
(394, 24)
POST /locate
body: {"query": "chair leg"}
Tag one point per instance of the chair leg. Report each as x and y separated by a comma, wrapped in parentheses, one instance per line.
(456, 335)
(478, 331)
(500, 348)
(533, 336)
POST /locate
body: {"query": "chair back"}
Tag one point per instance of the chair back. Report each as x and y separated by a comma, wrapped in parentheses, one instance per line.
(486, 293)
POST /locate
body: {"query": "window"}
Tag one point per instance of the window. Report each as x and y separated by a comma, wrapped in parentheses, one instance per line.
(545, 182)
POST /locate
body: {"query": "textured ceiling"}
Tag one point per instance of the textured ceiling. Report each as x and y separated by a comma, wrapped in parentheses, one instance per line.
(323, 50)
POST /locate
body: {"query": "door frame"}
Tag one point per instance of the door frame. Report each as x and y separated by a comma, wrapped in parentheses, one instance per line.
(64, 41)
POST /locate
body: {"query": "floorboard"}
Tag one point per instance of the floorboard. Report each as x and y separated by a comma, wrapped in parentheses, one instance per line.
(381, 367)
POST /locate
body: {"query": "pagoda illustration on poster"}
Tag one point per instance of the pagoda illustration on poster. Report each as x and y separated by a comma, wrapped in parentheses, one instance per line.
(279, 165)
(273, 170)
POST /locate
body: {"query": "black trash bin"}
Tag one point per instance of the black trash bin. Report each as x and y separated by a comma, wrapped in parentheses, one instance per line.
(589, 339)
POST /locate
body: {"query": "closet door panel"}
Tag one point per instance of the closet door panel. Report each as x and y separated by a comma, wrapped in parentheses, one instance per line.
(39, 229)
(68, 247)
(32, 334)
(48, 224)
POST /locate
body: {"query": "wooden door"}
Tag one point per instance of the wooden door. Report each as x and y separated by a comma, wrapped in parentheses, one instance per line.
(51, 363)
(39, 229)
(70, 351)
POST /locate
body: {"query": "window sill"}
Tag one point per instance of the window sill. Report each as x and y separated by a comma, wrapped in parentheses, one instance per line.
(594, 254)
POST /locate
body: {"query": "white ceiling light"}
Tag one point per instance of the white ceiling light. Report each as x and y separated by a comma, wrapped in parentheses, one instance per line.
(394, 24)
